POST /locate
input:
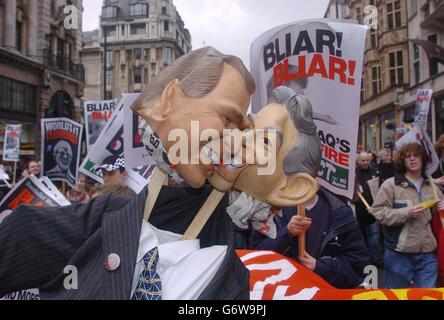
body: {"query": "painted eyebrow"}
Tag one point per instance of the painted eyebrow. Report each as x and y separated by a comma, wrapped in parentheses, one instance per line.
(233, 114)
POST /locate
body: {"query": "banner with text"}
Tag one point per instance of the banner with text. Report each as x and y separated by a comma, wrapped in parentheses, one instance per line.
(61, 140)
(96, 115)
(276, 277)
(322, 60)
(422, 106)
(30, 191)
(110, 142)
(11, 142)
(135, 152)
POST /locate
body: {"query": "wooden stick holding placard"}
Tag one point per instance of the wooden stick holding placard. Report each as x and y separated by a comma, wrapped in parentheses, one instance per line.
(15, 172)
(363, 200)
(435, 193)
(301, 212)
(7, 183)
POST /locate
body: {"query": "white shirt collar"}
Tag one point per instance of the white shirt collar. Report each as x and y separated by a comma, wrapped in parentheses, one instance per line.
(314, 203)
(171, 248)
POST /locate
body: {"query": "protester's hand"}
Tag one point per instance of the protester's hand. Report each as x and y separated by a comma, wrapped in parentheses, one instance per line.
(439, 181)
(370, 210)
(308, 261)
(298, 225)
(440, 205)
(416, 211)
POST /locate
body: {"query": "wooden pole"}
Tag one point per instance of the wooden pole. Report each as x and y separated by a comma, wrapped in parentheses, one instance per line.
(301, 212)
(435, 193)
(363, 200)
(15, 172)
(7, 183)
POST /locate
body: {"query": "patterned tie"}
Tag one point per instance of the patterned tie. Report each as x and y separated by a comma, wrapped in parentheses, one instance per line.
(149, 286)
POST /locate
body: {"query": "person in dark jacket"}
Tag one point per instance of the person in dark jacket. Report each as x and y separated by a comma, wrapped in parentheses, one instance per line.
(370, 228)
(335, 247)
(386, 167)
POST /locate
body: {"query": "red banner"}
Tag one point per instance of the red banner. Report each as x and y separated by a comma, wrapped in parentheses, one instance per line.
(275, 277)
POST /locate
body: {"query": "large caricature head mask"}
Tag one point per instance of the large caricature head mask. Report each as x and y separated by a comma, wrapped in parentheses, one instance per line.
(298, 153)
(203, 89)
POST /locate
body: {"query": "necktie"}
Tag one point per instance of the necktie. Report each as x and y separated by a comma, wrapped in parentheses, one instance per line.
(149, 286)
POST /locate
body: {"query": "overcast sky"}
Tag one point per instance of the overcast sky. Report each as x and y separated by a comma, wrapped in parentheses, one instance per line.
(228, 25)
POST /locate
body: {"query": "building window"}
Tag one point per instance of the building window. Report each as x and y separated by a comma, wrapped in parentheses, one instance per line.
(394, 15)
(60, 53)
(166, 26)
(109, 77)
(146, 53)
(18, 36)
(167, 55)
(396, 68)
(108, 95)
(109, 57)
(433, 63)
(17, 96)
(110, 31)
(376, 80)
(137, 75)
(416, 63)
(388, 128)
(373, 38)
(128, 55)
(413, 4)
(439, 114)
(110, 12)
(137, 54)
(122, 28)
(370, 134)
(139, 28)
(145, 75)
(362, 91)
(139, 9)
(359, 15)
(164, 11)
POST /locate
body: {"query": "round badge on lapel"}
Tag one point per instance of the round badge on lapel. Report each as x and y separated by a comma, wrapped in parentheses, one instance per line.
(112, 262)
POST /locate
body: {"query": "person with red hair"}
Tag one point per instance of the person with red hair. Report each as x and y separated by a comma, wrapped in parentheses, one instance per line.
(410, 245)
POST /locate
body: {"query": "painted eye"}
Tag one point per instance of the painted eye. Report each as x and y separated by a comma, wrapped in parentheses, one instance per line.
(268, 143)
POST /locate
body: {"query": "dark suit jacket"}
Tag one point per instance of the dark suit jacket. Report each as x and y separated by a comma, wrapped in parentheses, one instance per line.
(36, 244)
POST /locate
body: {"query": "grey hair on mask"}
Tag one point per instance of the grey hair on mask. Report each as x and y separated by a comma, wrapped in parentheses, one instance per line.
(305, 155)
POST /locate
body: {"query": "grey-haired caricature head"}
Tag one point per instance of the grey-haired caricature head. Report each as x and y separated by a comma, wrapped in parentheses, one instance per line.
(289, 117)
(305, 156)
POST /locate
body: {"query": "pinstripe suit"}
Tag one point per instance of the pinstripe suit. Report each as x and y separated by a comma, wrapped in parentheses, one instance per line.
(37, 243)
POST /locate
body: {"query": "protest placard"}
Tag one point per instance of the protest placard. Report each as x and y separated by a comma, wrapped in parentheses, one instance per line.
(322, 60)
(96, 114)
(61, 139)
(11, 142)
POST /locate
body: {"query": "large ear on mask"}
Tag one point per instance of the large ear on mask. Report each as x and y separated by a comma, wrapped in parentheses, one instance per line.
(152, 109)
(299, 189)
(166, 99)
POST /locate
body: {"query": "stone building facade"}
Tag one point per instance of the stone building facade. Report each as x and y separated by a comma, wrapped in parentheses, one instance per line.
(137, 39)
(40, 70)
